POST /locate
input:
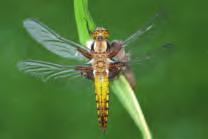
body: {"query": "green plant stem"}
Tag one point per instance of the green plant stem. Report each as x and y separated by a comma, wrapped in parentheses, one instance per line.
(120, 86)
(83, 20)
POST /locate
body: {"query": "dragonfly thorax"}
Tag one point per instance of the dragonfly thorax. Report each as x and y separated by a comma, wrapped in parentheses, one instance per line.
(100, 63)
(100, 46)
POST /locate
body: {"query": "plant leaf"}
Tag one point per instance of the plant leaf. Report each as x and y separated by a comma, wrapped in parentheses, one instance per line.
(83, 20)
(126, 95)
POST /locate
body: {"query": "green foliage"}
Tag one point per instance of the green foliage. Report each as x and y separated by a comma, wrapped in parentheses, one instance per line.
(83, 19)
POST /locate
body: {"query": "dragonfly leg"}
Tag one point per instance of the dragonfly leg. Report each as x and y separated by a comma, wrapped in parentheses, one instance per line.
(88, 75)
(113, 73)
(117, 65)
(86, 71)
(115, 68)
(88, 27)
(84, 52)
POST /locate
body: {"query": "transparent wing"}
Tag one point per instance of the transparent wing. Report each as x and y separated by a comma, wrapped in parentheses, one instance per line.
(147, 27)
(47, 70)
(154, 55)
(52, 41)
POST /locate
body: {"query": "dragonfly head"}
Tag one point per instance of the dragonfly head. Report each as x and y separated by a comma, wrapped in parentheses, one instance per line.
(100, 34)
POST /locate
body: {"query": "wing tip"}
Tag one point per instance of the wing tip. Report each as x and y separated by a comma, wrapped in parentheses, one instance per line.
(27, 22)
(20, 65)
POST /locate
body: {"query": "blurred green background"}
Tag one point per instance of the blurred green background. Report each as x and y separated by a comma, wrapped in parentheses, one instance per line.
(172, 90)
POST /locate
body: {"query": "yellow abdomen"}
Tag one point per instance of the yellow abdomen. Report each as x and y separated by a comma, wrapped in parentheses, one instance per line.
(102, 98)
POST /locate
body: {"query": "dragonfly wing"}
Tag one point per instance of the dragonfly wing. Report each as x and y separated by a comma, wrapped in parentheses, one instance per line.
(154, 55)
(47, 70)
(52, 41)
(141, 31)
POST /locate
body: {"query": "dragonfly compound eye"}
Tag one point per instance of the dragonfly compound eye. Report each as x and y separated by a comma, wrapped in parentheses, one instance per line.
(100, 33)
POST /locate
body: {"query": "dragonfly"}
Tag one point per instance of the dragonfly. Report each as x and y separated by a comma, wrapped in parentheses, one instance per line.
(102, 60)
